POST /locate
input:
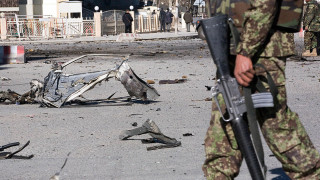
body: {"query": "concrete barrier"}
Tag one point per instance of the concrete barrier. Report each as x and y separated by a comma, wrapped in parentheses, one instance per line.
(12, 55)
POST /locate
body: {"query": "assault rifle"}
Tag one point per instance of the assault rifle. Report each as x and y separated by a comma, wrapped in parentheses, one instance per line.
(217, 33)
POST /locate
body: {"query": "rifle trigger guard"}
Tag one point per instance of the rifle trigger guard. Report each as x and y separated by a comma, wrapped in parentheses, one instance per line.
(215, 94)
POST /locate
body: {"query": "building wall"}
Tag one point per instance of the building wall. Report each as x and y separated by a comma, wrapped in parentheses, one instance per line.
(9, 6)
(9, 3)
(66, 9)
(50, 8)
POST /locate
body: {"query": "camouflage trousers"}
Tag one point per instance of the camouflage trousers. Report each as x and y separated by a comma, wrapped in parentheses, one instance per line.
(310, 40)
(281, 128)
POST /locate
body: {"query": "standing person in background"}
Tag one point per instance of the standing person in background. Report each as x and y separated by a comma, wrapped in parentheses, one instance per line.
(311, 23)
(168, 21)
(162, 19)
(188, 18)
(127, 20)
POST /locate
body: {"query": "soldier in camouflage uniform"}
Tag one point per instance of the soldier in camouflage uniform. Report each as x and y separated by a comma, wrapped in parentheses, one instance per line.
(311, 23)
(281, 127)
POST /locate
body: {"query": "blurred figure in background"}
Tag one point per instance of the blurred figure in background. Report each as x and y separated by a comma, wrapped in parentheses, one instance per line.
(162, 19)
(311, 23)
(188, 18)
(169, 16)
(127, 20)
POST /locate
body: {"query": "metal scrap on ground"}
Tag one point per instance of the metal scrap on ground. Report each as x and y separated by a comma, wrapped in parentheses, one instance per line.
(26, 98)
(176, 81)
(56, 176)
(153, 130)
(11, 155)
(59, 88)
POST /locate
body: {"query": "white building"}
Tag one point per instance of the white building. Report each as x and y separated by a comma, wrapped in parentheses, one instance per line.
(70, 9)
(51, 8)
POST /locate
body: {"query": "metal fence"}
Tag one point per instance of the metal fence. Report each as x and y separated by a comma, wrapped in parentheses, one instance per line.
(49, 27)
(111, 22)
(38, 27)
(146, 23)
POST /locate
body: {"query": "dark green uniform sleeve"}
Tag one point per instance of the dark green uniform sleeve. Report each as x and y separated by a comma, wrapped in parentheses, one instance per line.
(257, 25)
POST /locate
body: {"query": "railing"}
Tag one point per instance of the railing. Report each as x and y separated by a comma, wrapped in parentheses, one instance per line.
(14, 26)
(146, 23)
(48, 27)
(88, 27)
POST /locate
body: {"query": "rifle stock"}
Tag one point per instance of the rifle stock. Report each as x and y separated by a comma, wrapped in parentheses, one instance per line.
(217, 33)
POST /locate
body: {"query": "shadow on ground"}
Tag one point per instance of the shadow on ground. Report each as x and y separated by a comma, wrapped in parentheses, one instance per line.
(3, 68)
(281, 173)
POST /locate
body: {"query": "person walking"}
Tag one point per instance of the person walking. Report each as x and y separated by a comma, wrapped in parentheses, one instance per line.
(127, 20)
(162, 19)
(262, 41)
(311, 23)
(168, 20)
(188, 18)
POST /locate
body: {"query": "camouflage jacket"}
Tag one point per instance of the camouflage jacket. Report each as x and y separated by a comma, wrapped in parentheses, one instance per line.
(311, 17)
(258, 35)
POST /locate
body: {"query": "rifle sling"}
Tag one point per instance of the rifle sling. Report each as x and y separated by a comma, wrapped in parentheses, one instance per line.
(251, 114)
(254, 128)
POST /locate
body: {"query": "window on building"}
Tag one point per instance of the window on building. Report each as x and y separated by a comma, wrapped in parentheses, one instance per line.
(75, 15)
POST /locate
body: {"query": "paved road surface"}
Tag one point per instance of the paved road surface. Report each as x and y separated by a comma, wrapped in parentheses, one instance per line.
(91, 133)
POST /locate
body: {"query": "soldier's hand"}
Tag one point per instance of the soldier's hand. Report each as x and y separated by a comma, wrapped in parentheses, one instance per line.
(244, 71)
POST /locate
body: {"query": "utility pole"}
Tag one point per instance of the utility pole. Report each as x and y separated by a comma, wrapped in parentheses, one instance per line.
(176, 18)
(170, 4)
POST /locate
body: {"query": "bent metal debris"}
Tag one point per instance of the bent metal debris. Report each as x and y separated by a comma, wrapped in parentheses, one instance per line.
(59, 88)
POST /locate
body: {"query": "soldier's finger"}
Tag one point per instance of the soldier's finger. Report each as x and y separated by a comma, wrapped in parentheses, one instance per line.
(249, 75)
(246, 77)
(252, 71)
(243, 80)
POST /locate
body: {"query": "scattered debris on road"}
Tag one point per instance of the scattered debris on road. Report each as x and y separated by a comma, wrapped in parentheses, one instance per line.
(59, 88)
(4, 79)
(176, 81)
(134, 124)
(26, 98)
(206, 99)
(56, 176)
(150, 81)
(187, 134)
(209, 88)
(153, 130)
(12, 155)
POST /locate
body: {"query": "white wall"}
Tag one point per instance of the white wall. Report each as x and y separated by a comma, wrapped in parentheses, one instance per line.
(50, 8)
(70, 7)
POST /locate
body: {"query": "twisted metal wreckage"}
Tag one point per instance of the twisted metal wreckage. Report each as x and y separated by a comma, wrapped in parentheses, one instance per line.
(59, 88)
